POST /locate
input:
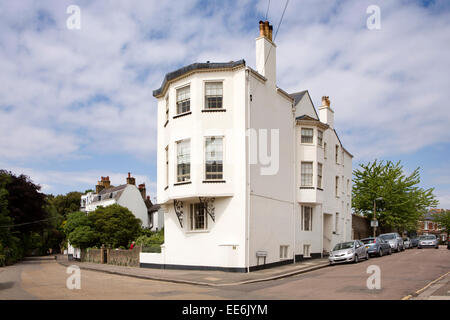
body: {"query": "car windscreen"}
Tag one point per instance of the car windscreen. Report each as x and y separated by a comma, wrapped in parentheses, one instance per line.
(343, 245)
(367, 241)
(388, 236)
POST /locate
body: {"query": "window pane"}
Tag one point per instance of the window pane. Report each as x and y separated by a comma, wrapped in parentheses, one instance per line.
(183, 100)
(307, 135)
(319, 175)
(183, 161)
(306, 174)
(213, 95)
(214, 158)
(319, 137)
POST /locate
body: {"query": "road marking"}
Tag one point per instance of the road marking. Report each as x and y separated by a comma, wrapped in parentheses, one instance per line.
(420, 290)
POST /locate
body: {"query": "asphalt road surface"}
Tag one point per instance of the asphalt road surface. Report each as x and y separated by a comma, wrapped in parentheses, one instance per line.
(401, 274)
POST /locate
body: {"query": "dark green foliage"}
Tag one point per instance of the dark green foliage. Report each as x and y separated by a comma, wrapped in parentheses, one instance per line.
(443, 219)
(65, 204)
(112, 226)
(403, 202)
(115, 225)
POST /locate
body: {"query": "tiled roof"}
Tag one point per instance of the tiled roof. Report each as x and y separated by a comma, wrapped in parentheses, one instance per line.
(110, 193)
(196, 66)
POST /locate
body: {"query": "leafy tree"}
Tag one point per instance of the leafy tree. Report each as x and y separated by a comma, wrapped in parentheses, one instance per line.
(443, 219)
(83, 237)
(79, 230)
(115, 225)
(65, 204)
(25, 203)
(403, 201)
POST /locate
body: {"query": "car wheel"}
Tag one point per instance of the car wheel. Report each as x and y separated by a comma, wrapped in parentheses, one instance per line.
(380, 254)
(367, 256)
(398, 249)
(419, 247)
(356, 259)
(437, 247)
(390, 251)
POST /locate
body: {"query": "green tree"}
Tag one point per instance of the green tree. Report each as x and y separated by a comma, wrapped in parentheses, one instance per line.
(443, 219)
(403, 201)
(79, 230)
(115, 225)
(65, 204)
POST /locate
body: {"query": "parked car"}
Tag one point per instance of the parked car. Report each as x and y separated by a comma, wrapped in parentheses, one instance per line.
(377, 246)
(428, 241)
(414, 242)
(407, 243)
(394, 240)
(349, 251)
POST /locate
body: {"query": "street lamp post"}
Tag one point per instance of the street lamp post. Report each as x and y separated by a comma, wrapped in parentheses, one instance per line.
(375, 216)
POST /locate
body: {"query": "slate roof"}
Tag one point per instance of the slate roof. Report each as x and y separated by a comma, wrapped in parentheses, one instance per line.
(196, 66)
(297, 96)
(110, 193)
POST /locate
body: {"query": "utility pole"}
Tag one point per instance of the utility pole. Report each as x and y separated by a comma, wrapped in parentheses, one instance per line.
(375, 216)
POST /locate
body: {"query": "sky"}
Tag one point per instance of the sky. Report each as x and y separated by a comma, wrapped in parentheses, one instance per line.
(77, 104)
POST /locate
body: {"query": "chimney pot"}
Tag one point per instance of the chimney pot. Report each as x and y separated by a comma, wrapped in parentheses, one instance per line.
(326, 101)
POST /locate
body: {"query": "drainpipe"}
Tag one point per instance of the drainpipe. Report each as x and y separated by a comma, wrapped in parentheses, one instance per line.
(247, 75)
(294, 223)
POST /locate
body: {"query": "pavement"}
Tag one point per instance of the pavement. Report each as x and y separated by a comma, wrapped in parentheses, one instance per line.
(438, 289)
(202, 277)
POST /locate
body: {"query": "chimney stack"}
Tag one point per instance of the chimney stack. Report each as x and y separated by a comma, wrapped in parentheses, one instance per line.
(142, 190)
(131, 180)
(266, 53)
(265, 29)
(99, 187)
(105, 182)
(326, 114)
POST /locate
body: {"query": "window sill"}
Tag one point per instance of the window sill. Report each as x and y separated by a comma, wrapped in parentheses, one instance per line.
(306, 188)
(214, 110)
(165, 125)
(197, 231)
(181, 183)
(214, 181)
(319, 189)
(182, 114)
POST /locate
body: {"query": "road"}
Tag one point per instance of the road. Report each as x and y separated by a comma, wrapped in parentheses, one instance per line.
(401, 274)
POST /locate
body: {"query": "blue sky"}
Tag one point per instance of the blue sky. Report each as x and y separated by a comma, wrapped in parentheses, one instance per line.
(77, 104)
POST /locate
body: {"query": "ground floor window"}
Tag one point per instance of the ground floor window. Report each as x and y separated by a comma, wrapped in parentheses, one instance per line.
(306, 250)
(197, 217)
(306, 218)
(284, 252)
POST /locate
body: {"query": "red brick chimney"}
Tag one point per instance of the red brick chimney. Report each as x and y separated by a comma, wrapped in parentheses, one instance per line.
(143, 191)
(131, 180)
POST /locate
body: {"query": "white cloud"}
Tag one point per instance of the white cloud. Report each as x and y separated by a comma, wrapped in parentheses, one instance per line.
(388, 87)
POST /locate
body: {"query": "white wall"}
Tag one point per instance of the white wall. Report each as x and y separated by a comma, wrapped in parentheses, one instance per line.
(132, 199)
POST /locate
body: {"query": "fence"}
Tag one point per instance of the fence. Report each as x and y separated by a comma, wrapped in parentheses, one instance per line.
(119, 257)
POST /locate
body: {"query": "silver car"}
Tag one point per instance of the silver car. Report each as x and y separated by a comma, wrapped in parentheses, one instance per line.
(407, 243)
(428, 241)
(349, 251)
(394, 240)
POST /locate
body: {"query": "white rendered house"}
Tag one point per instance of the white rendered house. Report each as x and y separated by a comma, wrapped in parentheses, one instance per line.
(126, 195)
(249, 176)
